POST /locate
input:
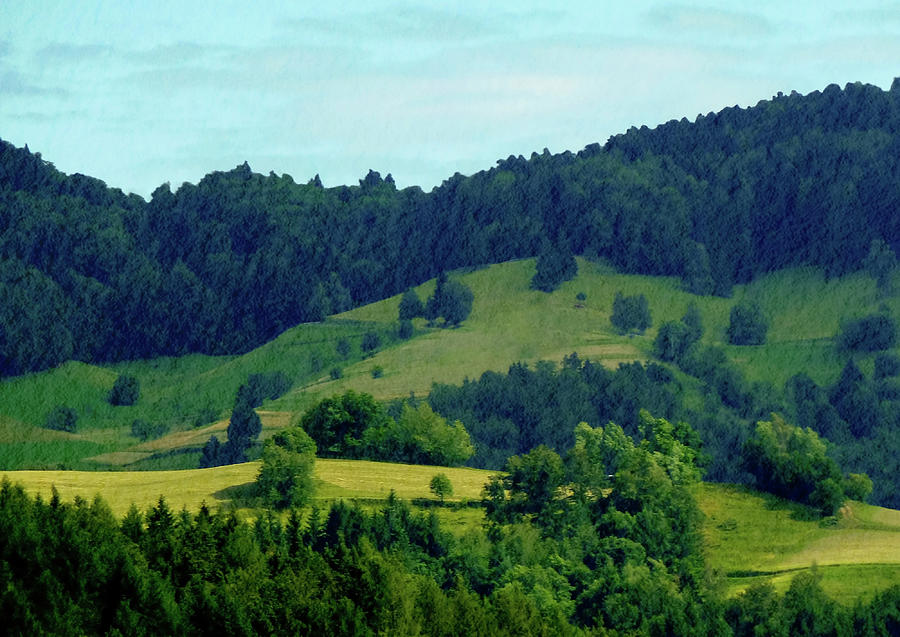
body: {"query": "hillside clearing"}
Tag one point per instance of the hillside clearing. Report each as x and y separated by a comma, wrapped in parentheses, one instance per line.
(752, 537)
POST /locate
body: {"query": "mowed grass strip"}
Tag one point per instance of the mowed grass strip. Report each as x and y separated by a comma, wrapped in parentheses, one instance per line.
(751, 537)
(335, 480)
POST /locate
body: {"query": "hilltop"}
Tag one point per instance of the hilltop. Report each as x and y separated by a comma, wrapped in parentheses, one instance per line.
(222, 266)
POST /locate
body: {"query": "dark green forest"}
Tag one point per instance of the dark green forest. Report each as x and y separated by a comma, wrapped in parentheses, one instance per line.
(221, 266)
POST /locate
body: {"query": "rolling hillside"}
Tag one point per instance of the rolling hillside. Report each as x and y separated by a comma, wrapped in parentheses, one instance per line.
(192, 395)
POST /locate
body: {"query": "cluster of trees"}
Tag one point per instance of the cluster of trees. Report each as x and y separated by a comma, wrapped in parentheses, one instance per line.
(602, 539)
(512, 413)
(244, 426)
(873, 333)
(859, 415)
(791, 462)
(451, 300)
(89, 273)
(355, 425)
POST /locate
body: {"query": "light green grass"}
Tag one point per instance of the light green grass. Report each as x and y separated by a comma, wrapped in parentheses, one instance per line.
(509, 323)
(751, 537)
(335, 480)
(173, 392)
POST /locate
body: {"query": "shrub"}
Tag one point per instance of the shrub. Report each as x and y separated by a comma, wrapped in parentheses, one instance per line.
(145, 431)
(869, 334)
(630, 313)
(747, 325)
(125, 391)
(370, 342)
(404, 329)
(857, 486)
(377, 371)
(62, 418)
(207, 415)
(335, 373)
(410, 306)
(259, 387)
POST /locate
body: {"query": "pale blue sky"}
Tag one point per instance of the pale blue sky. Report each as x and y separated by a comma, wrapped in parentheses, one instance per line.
(140, 93)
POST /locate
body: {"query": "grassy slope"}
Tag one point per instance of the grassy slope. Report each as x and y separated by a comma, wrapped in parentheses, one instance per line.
(752, 537)
(509, 323)
(173, 392)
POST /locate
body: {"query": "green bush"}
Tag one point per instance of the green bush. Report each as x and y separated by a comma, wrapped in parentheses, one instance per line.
(125, 391)
(370, 342)
(145, 430)
(62, 418)
(404, 329)
(286, 476)
(747, 325)
(630, 313)
(871, 333)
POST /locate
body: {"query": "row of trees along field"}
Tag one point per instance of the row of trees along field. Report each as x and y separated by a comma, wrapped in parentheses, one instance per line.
(221, 266)
(604, 538)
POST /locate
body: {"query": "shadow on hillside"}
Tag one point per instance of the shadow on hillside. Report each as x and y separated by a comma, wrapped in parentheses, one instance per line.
(241, 495)
(799, 512)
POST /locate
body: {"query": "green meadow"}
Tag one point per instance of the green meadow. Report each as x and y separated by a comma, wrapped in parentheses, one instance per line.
(231, 486)
(753, 537)
(510, 322)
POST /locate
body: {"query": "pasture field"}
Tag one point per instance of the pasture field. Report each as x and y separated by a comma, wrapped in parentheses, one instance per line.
(229, 485)
(752, 537)
(192, 395)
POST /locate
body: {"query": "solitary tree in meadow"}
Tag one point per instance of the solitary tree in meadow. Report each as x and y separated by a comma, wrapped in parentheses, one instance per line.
(441, 486)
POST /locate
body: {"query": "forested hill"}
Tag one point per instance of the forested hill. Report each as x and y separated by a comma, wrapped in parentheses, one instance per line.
(88, 272)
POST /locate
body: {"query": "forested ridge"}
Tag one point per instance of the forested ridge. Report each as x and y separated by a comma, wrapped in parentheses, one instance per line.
(90, 273)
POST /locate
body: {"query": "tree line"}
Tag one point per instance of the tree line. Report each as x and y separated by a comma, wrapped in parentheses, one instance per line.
(221, 266)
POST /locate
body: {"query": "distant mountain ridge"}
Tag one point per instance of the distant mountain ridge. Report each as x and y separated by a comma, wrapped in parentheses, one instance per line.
(90, 273)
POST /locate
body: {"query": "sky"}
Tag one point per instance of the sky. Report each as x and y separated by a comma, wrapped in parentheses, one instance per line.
(139, 93)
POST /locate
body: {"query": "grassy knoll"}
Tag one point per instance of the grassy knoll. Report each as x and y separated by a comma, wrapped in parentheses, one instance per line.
(752, 537)
(509, 322)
